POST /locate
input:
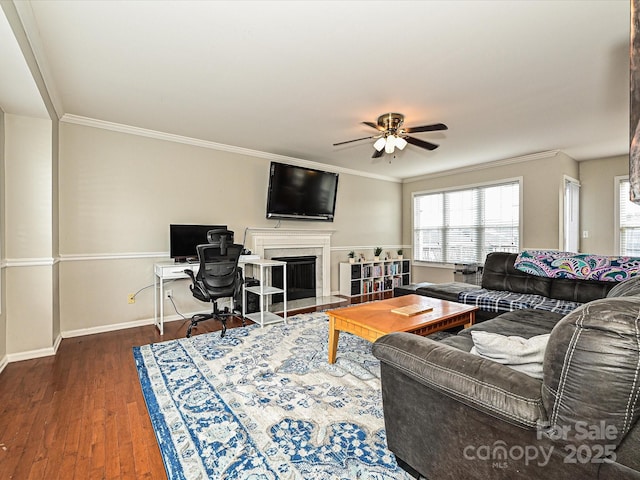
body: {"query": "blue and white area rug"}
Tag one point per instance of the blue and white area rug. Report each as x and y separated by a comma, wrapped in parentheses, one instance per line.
(263, 403)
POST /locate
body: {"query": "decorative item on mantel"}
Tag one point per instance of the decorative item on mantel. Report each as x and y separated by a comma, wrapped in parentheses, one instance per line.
(352, 256)
(400, 257)
(376, 253)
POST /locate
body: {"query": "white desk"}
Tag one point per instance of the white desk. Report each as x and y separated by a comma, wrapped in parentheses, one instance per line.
(171, 271)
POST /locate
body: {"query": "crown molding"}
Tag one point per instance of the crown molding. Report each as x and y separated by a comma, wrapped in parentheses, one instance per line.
(483, 166)
(170, 137)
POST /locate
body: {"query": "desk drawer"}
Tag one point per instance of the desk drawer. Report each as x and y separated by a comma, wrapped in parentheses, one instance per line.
(175, 271)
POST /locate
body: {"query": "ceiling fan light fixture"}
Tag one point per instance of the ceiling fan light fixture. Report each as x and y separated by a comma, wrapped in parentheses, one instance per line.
(390, 134)
(391, 144)
(380, 143)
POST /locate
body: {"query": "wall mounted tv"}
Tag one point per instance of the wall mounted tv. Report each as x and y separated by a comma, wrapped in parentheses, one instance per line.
(183, 240)
(301, 193)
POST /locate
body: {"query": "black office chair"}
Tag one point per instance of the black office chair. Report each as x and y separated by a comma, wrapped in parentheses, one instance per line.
(218, 277)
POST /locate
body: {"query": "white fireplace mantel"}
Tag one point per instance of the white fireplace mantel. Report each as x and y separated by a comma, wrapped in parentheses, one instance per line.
(264, 239)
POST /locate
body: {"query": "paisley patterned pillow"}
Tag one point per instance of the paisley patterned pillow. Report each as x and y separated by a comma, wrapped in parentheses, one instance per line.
(555, 264)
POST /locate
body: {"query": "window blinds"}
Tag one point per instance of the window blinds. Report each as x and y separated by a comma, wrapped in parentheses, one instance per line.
(629, 222)
(462, 226)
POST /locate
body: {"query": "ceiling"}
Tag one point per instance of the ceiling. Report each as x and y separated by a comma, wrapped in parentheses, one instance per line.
(291, 78)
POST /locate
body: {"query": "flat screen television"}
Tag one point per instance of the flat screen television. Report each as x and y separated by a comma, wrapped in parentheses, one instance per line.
(301, 193)
(183, 240)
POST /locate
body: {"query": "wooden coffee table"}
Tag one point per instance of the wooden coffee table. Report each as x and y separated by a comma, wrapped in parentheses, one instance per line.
(375, 319)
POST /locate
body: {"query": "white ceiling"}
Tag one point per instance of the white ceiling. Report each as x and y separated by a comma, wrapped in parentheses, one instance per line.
(292, 78)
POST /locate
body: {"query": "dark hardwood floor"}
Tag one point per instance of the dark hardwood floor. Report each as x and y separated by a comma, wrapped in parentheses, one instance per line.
(81, 414)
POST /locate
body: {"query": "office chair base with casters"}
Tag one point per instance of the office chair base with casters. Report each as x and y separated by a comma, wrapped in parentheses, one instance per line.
(215, 315)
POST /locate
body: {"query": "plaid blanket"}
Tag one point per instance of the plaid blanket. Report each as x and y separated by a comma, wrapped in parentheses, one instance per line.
(502, 301)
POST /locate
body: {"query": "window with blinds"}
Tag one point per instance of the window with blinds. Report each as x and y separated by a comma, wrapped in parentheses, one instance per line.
(628, 221)
(463, 226)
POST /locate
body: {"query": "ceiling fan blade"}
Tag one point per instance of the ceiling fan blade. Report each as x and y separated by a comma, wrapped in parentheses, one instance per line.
(421, 143)
(373, 125)
(426, 128)
(356, 140)
(377, 154)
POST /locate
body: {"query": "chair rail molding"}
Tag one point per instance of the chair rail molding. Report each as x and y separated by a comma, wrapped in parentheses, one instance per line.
(112, 256)
(30, 262)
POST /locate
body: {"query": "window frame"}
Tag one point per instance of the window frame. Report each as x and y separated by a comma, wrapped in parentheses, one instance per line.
(492, 183)
(617, 180)
(565, 235)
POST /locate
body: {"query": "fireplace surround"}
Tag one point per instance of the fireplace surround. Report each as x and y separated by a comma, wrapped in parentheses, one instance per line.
(280, 242)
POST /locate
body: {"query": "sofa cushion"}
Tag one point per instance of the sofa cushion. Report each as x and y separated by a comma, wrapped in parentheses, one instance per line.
(523, 323)
(581, 291)
(523, 354)
(410, 289)
(628, 288)
(446, 291)
(499, 273)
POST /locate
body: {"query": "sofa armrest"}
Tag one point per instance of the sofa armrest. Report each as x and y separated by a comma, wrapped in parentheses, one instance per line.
(482, 384)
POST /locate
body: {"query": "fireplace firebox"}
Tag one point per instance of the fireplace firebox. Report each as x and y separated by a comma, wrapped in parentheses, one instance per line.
(301, 277)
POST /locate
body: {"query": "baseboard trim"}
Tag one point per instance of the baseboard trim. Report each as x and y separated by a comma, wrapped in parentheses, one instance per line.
(56, 344)
(122, 326)
(4, 361)
(31, 354)
(50, 351)
(106, 328)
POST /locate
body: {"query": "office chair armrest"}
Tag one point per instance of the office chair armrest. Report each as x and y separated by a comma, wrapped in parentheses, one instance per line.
(197, 285)
(189, 272)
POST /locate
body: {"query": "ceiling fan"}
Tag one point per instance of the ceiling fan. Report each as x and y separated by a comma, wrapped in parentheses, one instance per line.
(392, 134)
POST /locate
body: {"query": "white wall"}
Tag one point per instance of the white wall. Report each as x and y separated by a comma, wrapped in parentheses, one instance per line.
(28, 248)
(3, 283)
(541, 192)
(119, 192)
(597, 202)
